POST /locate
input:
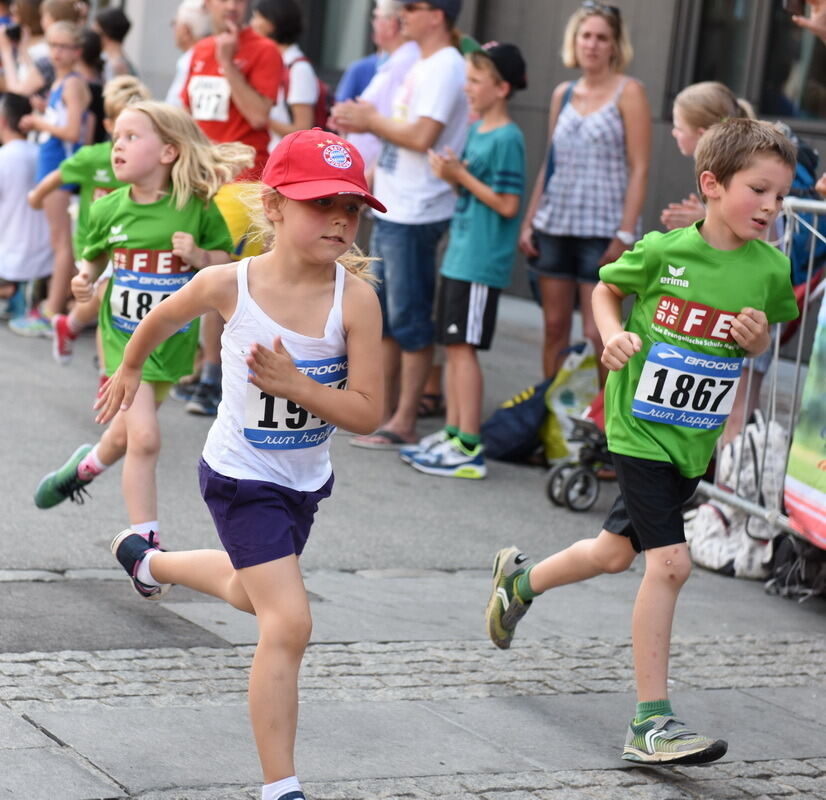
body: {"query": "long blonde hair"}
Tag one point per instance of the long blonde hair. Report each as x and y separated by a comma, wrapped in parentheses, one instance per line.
(706, 103)
(201, 167)
(261, 229)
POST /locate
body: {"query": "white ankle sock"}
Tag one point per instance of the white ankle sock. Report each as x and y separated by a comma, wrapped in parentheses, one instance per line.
(286, 789)
(145, 528)
(145, 572)
(91, 466)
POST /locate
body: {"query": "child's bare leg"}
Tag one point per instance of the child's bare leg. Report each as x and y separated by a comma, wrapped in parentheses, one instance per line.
(466, 385)
(277, 593)
(84, 314)
(56, 206)
(452, 392)
(666, 570)
(206, 571)
(143, 444)
(584, 559)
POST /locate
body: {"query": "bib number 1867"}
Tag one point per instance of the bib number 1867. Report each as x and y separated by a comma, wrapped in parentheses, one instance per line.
(682, 387)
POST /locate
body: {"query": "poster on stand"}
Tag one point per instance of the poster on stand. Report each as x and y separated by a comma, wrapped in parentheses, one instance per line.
(805, 486)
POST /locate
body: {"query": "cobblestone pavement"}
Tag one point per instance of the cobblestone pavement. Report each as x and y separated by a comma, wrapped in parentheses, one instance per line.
(447, 670)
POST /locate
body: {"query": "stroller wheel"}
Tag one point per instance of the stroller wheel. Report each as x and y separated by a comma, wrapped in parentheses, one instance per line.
(556, 482)
(581, 489)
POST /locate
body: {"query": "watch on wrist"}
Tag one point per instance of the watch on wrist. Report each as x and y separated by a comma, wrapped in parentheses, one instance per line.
(626, 237)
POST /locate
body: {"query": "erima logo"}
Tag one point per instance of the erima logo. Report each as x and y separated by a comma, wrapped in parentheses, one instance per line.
(102, 176)
(116, 235)
(674, 277)
(453, 328)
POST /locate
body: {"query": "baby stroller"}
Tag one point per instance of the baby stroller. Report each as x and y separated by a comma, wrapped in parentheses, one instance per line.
(575, 483)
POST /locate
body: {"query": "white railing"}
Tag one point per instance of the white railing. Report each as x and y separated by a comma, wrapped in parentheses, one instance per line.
(766, 501)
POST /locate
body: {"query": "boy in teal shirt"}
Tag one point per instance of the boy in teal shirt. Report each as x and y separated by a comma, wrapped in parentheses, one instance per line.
(490, 181)
(704, 298)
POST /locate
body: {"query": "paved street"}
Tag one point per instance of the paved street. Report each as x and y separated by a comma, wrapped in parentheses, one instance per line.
(104, 695)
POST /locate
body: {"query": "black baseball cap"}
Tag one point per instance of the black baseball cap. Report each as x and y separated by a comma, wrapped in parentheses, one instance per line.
(509, 63)
(452, 8)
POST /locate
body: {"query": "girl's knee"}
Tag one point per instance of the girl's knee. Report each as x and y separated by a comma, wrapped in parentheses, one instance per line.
(144, 442)
(286, 633)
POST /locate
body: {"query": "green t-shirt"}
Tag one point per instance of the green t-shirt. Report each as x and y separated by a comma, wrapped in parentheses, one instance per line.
(685, 376)
(91, 169)
(138, 239)
(483, 242)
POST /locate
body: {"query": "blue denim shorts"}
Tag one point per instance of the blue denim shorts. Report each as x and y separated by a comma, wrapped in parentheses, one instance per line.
(406, 270)
(258, 521)
(574, 258)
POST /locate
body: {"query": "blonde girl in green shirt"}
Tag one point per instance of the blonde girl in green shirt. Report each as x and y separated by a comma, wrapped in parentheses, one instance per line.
(158, 230)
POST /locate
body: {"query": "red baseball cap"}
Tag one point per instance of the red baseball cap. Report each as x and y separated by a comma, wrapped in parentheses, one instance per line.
(306, 165)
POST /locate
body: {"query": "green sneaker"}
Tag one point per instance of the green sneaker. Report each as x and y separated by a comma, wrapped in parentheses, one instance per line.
(666, 740)
(505, 607)
(63, 483)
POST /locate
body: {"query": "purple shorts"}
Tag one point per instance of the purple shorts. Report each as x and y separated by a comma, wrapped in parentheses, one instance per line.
(259, 521)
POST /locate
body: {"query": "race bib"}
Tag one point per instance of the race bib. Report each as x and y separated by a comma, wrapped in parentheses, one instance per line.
(681, 387)
(275, 423)
(135, 294)
(209, 97)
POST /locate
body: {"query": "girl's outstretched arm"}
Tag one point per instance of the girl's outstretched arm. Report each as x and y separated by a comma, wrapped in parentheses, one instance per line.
(357, 408)
(212, 289)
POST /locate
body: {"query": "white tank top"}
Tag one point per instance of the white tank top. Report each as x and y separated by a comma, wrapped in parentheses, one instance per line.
(260, 437)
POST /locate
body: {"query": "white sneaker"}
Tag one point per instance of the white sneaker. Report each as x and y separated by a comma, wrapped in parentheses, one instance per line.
(430, 441)
(451, 460)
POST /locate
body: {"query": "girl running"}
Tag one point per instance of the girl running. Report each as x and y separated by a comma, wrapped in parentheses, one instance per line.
(158, 231)
(301, 354)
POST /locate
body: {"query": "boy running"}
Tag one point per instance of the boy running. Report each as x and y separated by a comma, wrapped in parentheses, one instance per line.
(704, 298)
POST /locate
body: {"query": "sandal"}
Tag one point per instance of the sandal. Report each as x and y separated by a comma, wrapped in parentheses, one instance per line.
(431, 405)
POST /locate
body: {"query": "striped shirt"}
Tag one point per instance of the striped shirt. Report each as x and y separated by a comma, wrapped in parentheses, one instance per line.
(586, 192)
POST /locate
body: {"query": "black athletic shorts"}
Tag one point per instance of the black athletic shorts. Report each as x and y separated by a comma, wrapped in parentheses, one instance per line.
(649, 509)
(465, 313)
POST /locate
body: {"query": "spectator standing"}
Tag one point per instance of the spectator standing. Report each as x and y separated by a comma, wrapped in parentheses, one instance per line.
(112, 25)
(430, 110)
(24, 231)
(25, 62)
(490, 181)
(358, 74)
(586, 212)
(696, 109)
(233, 80)
(5, 13)
(90, 66)
(62, 131)
(294, 110)
(191, 24)
(400, 55)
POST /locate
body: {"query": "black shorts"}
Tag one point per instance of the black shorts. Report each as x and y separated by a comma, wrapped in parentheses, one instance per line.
(649, 510)
(465, 313)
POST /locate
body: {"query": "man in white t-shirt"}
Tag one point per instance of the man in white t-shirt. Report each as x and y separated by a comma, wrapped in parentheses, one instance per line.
(430, 110)
(399, 54)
